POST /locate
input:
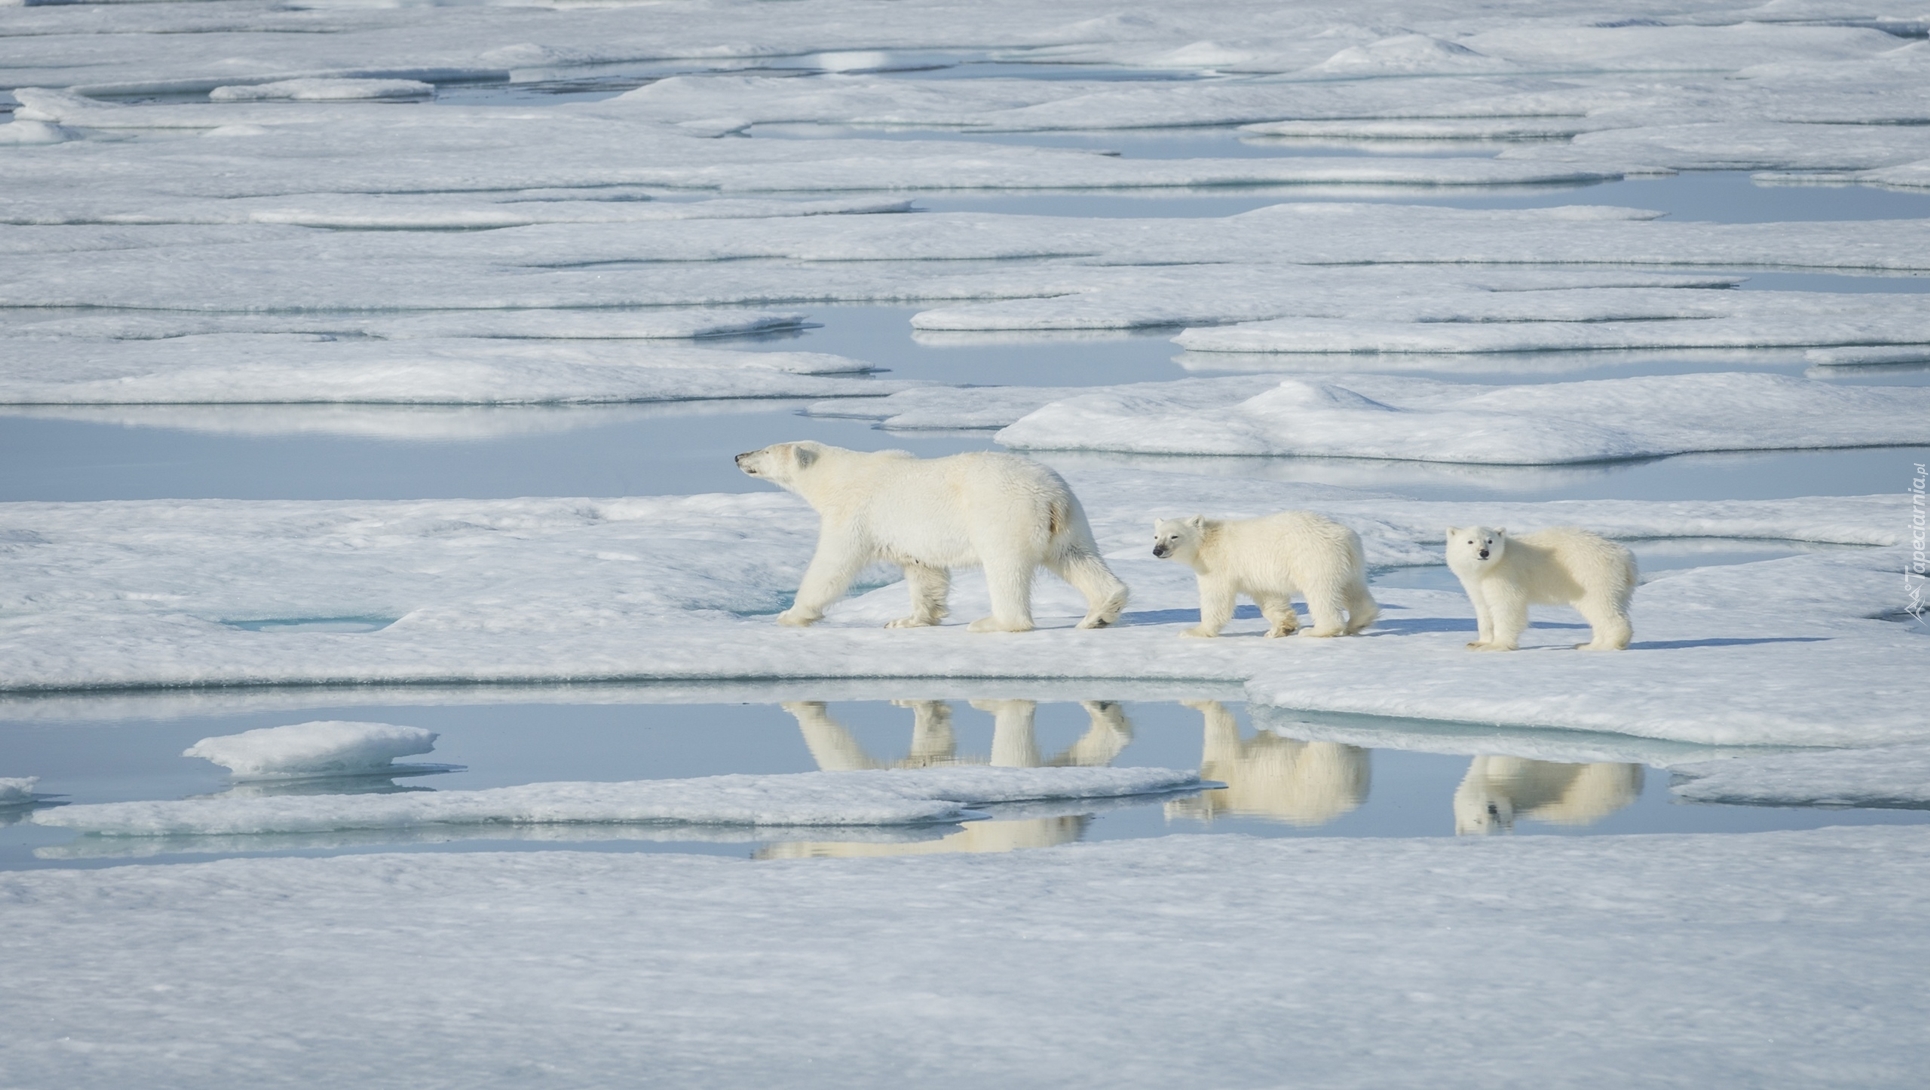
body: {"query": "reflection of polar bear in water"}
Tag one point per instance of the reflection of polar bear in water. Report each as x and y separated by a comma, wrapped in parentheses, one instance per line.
(1304, 783)
(1497, 790)
(1564, 565)
(1001, 512)
(1268, 560)
(933, 742)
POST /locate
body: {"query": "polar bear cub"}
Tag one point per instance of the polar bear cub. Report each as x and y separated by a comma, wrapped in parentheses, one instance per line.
(1564, 565)
(1001, 512)
(1268, 559)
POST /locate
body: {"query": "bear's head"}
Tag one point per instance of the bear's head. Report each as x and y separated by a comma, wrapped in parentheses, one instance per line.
(1177, 539)
(781, 463)
(1475, 547)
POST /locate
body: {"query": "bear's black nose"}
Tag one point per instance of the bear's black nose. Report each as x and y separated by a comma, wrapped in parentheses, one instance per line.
(1159, 550)
(1484, 554)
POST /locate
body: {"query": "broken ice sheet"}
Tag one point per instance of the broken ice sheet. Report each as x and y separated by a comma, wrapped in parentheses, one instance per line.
(1885, 776)
(882, 797)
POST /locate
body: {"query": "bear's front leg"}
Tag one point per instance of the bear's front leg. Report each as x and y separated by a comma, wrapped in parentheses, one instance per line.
(1009, 579)
(929, 588)
(1282, 620)
(1507, 619)
(1216, 607)
(1483, 619)
(837, 562)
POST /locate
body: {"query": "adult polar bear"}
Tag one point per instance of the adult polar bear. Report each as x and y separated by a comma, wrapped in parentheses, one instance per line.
(1562, 565)
(1001, 512)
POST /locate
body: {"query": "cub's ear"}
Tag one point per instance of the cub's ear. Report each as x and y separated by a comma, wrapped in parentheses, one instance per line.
(1501, 531)
(1196, 521)
(1452, 530)
(803, 455)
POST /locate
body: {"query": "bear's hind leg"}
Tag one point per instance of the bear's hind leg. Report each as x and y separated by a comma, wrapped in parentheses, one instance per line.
(1362, 610)
(1281, 619)
(1326, 600)
(1608, 624)
(1105, 594)
(929, 587)
(1010, 583)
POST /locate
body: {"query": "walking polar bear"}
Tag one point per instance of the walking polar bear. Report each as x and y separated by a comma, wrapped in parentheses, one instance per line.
(1565, 565)
(1001, 512)
(1268, 559)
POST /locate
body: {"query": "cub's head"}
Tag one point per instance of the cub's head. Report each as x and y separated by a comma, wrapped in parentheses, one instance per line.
(1475, 546)
(1482, 812)
(1177, 539)
(782, 464)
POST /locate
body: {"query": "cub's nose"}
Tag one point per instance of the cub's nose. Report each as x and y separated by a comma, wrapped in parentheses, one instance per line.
(1484, 554)
(740, 458)
(1159, 550)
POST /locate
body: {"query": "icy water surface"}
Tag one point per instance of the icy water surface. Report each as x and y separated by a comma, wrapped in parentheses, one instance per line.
(1326, 776)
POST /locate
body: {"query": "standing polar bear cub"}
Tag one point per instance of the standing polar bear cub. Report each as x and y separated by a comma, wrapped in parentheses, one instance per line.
(1001, 512)
(1268, 559)
(1563, 566)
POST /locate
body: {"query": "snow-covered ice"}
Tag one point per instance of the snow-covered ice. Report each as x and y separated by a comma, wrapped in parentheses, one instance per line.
(17, 790)
(1371, 416)
(1878, 776)
(320, 748)
(853, 797)
(1775, 960)
(1782, 652)
(280, 368)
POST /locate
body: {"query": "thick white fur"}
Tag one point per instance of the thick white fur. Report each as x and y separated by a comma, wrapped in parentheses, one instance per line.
(1268, 559)
(1498, 789)
(1561, 566)
(1001, 512)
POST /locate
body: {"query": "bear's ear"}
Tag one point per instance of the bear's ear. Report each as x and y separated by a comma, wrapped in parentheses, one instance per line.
(1501, 531)
(1452, 530)
(1196, 521)
(803, 455)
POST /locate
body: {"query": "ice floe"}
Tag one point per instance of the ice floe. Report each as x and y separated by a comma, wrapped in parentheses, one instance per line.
(858, 797)
(1879, 776)
(1424, 420)
(284, 368)
(320, 748)
(1777, 652)
(323, 90)
(1645, 938)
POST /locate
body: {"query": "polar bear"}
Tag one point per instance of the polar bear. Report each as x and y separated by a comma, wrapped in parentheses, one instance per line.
(1268, 559)
(1564, 565)
(1498, 789)
(1004, 513)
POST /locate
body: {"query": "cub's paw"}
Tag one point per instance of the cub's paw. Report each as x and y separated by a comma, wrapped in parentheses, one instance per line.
(1199, 634)
(993, 624)
(912, 622)
(795, 618)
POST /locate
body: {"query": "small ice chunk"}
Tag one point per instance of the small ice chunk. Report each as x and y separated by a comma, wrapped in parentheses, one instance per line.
(323, 90)
(321, 748)
(17, 790)
(25, 131)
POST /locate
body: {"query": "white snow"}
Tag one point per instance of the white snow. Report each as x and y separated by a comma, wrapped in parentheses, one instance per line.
(1371, 416)
(283, 368)
(319, 748)
(17, 790)
(1219, 960)
(861, 797)
(323, 90)
(1878, 776)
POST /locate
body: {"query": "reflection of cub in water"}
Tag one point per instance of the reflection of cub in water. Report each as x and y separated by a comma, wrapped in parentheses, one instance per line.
(1497, 790)
(934, 742)
(1305, 783)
